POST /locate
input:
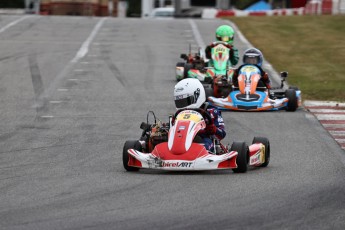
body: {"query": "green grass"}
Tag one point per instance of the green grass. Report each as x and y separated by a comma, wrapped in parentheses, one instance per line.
(310, 48)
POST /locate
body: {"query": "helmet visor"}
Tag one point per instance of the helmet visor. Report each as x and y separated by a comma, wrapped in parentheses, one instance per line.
(184, 102)
(251, 60)
(225, 38)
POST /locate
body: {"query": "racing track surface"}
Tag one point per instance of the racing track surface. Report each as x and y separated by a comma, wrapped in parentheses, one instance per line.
(63, 124)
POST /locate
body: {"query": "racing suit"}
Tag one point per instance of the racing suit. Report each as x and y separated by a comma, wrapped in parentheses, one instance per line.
(264, 76)
(233, 55)
(217, 129)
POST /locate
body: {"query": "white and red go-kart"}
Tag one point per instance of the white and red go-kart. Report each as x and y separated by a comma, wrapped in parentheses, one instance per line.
(175, 147)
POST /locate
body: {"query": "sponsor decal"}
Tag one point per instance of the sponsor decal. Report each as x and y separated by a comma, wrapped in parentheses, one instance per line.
(255, 160)
(179, 89)
(154, 162)
(176, 164)
(220, 49)
(196, 94)
(178, 97)
(182, 127)
(189, 115)
(249, 69)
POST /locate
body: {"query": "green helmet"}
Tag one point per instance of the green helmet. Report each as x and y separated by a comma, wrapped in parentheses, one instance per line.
(225, 33)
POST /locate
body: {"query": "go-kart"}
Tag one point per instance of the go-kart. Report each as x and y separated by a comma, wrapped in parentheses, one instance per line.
(217, 77)
(192, 67)
(176, 146)
(251, 94)
(220, 70)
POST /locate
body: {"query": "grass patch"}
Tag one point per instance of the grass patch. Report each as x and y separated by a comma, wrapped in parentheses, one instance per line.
(310, 48)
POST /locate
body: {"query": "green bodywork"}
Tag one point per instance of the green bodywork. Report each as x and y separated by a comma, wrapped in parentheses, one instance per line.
(220, 62)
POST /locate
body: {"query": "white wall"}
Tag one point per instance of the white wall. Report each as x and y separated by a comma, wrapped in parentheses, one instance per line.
(146, 8)
(341, 6)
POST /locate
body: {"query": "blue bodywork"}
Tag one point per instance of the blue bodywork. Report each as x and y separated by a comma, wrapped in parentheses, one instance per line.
(252, 102)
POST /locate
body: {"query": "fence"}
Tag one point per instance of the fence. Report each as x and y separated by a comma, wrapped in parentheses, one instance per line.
(325, 7)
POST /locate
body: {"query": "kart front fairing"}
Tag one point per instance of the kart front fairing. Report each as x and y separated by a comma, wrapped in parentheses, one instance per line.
(255, 102)
(180, 152)
(247, 97)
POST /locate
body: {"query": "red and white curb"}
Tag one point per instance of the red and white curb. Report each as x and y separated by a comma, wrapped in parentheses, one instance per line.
(332, 117)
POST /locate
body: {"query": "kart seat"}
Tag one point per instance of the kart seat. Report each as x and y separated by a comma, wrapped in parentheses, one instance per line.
(197, 139)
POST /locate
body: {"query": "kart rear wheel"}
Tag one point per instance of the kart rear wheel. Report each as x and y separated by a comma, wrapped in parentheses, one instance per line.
(242, 157)
(266, 143)
(125, 155)
(187, 67)
(292, 103)
(208, 92)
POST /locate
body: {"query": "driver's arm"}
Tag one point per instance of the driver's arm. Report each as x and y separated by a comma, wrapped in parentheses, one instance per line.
(208, 52)
(218, 123)
(234, 56)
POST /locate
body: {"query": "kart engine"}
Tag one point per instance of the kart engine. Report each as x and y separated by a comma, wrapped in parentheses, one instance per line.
(159, 133)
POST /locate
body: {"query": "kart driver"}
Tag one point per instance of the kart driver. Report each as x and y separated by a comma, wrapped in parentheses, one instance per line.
(252, 56)
(226, 34)
(190, 93)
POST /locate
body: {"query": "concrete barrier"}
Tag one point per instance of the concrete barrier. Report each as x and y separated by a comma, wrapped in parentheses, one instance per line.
(312, 7)
(213, 13)
(12, 11)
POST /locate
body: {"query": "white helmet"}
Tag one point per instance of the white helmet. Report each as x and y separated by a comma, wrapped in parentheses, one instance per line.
(189, 93)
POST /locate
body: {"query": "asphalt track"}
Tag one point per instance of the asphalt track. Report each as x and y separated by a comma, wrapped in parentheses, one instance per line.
(63, 124)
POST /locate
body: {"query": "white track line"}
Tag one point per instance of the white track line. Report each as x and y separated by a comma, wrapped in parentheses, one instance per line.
(80, 54)
(198, 37)
(13, 23)
(84, 49)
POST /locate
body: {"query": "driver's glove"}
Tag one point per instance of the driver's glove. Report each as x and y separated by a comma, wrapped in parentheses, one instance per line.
(211, 129)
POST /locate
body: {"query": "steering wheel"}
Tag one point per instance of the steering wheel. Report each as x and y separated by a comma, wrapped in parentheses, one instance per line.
(203, 112)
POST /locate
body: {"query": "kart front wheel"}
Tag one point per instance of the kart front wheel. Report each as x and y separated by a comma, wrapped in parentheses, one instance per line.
(266, 143)
(208, 92)
(292, 103)
(242, 157)
(125, 155)
(180, 64)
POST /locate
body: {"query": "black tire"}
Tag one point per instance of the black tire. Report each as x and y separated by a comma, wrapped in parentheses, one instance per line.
(208, 92)
(180, 64)
(187, 67)
(266, 143)
(292, 103)
(242, 157)
(125, 155)
(224, 92)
